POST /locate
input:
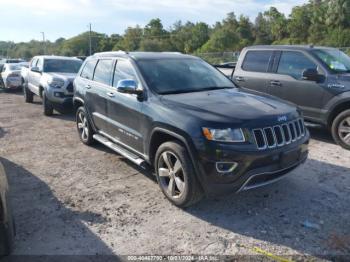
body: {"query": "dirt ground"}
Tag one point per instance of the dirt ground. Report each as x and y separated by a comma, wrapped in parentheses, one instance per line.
(69, 198)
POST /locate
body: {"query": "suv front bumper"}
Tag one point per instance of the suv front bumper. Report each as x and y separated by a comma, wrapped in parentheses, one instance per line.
(254, 168)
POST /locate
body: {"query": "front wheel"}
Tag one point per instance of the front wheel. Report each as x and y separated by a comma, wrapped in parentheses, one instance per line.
(341, 129)
(83, 126)
(48, 108)
(176, 176)
(28, 95)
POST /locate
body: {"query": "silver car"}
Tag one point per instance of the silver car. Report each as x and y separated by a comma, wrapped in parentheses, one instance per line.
(11, 76)
(51, 78)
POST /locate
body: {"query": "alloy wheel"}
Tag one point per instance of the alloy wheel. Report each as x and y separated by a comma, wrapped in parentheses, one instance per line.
(171, 174)
(344, 130)
(83, 126)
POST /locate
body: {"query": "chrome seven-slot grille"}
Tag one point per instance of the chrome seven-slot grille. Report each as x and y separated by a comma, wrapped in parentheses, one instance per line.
(279, 135)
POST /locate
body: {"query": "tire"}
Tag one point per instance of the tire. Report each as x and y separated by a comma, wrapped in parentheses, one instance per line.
(2, 84)
(28, 95)
(84, 128)
(7, 231)
(341, 129)
(176, 175)
(48, 108)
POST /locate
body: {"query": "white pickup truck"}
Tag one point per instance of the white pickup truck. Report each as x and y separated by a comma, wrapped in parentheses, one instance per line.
(51, 78)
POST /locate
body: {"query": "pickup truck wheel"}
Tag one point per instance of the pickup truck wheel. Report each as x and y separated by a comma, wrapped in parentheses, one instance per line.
(176, 176)
(341, 129)
(28, 95)
(48, 108)
(83, 126)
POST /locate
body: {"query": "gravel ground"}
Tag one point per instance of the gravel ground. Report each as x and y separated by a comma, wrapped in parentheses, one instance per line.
(69, 198)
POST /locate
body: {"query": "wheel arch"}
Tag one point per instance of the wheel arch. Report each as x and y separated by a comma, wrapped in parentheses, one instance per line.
(41, 89)
(77, 102)
(345, 105)
(161, 135)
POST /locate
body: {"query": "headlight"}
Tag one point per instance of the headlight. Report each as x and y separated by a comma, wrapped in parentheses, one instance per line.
(56, 82)
(224, 135)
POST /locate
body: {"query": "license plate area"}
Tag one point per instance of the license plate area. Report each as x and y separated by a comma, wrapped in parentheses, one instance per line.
(289, 158)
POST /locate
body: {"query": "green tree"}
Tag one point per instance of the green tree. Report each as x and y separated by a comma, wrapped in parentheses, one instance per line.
(299, 24)
(277, 23)
(338, 13)
(132, 38)
(318, 29)
(262, 30)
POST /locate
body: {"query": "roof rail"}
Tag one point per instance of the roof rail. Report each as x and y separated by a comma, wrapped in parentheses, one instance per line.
(178, 53)
(119, 52)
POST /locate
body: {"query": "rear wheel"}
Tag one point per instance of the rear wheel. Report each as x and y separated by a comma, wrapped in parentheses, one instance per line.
(176, 175)
(48, 108)
(341, 129)
(28, 95)
(84, 128)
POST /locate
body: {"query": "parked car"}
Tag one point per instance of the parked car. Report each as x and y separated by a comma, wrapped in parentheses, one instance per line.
(317, 79)
(183, 117)
(51, 78)
(7, 226)
(11, 61)
(11, 76)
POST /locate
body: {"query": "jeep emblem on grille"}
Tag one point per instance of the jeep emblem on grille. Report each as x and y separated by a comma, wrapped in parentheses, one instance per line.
(282, 118)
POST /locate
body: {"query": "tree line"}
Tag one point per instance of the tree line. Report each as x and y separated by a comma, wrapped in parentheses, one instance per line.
(319, 22)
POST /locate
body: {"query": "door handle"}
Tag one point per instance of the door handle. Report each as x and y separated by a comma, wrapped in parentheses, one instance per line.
(87, 86)
(275, 83)
(110, 94)
(240, 78)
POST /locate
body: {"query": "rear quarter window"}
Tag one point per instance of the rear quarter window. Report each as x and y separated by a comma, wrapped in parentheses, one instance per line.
(257, 61)
(88, 70)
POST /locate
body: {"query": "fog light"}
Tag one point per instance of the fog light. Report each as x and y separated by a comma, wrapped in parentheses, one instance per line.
(226, 167)
(58, 94)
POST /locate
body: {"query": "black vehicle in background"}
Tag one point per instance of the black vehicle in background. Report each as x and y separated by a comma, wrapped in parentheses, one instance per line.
(317, 79)
(184, 118)
(7, 228)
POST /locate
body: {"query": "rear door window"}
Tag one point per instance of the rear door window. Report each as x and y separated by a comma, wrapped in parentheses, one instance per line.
(103, 71)
(293, 63)
(88, 70)
(257, 61)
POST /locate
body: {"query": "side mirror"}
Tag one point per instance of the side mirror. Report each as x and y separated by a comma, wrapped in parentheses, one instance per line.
(311, 74)
(35, 69)
(128, 86)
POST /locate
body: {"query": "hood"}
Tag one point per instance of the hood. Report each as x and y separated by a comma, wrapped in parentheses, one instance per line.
(66, 76)
(230, 105)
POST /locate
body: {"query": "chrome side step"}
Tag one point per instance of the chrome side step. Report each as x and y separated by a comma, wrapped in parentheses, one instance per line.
(120, 150)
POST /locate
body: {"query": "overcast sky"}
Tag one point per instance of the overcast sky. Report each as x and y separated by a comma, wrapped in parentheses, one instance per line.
(23, 20)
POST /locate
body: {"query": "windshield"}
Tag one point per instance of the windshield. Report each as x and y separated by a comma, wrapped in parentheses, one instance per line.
(334, 59)
(62, 66)
(171, 76)
(15, 67)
